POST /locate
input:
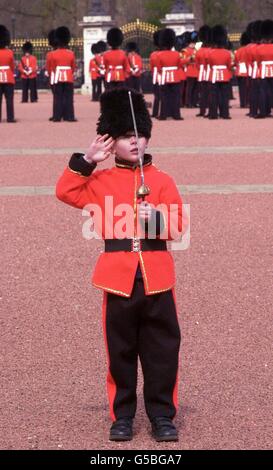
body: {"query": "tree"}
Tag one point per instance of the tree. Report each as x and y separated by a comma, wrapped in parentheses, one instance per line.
(222, 12)
(156, 10)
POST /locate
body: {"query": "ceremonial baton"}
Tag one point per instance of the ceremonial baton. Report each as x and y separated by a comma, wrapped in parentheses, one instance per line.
(143, 189)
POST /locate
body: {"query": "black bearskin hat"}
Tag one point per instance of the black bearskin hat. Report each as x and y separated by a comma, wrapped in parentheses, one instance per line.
(156, 38)
(4, 36)
(254, 31)
(131, 46)
(219, 36)
(167, 38)
(94, 48)
(115, 37)
(102, 46)
(51, 37)
(63, 36)
(116, 119)
(267, 29)
(245, 39)
(204, 34)
(27, 47)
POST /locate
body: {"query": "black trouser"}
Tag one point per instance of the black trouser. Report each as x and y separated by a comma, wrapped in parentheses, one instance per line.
(94, 89)
(144, 326)
(243, 91)
(203, 97)
(265, 96)
(7, 89)
(219, 99)
(29, 84)
(170, 100)
(133, 82)
(254, 93)
(191, 92)
(63, 106)
(156, 105)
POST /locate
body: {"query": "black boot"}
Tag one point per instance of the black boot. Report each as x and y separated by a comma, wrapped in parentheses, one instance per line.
(122, 430)
(163, 429)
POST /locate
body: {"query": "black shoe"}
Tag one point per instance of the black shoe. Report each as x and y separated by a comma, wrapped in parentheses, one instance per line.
(55, 120)
(11, 120)
(178, 118)
(163, 429)
(161, 119)
(122, 430)
(260, 116)
(200, 115)
(51, 119)
(71, 120)
(225, 117)
(212, 117)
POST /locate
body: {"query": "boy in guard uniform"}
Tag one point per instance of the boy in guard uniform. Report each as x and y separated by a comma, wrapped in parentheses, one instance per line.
(136, 271)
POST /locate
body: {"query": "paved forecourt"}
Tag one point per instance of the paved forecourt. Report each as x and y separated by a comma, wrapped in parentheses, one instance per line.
(52, 349)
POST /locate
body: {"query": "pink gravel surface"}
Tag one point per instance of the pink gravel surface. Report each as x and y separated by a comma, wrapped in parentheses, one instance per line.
(53, 363)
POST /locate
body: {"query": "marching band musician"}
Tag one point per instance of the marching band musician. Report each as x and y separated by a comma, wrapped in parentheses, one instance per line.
(169, 62)
(94, 73)
(135, 63)
(264, 56)
(201, 59)
(63, 67)
(241, 70)
(117, 68)
(155, 75)
(28, 69)
(220, 63)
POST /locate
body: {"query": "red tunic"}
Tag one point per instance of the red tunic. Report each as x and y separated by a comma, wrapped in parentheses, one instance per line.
(63, 65)
(169, 63)
(115, 272)
(264, 56)
(116, 65)
(192, 69)
(93, 69)
(220, 62)
(28, 66)
(6, 66)
(201, 60)
(135, 63)
(154, 67)
(241, 62)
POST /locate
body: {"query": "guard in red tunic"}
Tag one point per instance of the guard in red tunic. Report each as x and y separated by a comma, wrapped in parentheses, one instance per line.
(155, 75)
(192, 72)
(99, 57)
(136, 271)
(264, 57)
(63, 67)
(201, 60)
(48, 63)
(28, 69)
(135, 64)
(241, 70)
(254, 31)
(6, 74)
(169, 62)
(117, 67)
(94, 73)
(220, 63)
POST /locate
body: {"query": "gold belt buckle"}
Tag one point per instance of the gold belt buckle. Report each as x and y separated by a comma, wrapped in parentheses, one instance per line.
(135, 245)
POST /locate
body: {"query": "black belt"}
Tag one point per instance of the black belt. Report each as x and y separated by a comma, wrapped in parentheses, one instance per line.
(135, 245)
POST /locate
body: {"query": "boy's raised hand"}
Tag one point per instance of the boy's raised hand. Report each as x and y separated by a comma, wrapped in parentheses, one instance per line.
(100, 149)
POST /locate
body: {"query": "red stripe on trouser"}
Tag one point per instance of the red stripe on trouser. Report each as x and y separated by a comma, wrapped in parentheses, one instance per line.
(111, 386)
(175, 390)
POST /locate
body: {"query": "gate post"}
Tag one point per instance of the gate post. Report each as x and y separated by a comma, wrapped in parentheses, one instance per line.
(95, 28)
